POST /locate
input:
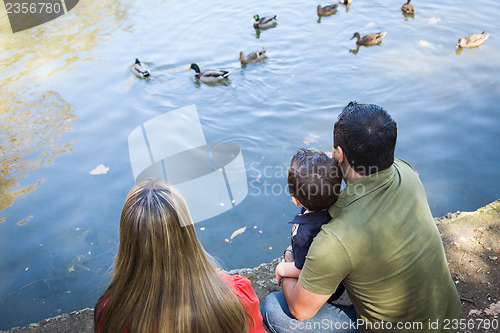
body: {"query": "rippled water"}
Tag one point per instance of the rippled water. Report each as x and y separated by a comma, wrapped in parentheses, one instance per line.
(68, 102)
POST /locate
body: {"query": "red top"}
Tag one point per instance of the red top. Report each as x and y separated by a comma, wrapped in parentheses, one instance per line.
(242, 288)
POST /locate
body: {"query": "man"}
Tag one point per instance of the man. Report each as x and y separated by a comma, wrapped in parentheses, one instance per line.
(382, 244)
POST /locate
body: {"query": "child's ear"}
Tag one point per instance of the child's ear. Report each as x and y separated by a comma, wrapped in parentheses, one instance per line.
(296, 202)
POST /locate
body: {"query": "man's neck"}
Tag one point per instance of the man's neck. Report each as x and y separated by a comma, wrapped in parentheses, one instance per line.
(350, 176)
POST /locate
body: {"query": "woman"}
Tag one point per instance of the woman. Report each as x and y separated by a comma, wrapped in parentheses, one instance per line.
(163, 280)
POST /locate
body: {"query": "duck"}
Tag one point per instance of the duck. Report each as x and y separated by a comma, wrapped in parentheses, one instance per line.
(345, 2)
(210, 75)
(327, 10)
(264, 22)
(368, 40)
(252, 57)
(473, 40)
(407, 8)
(140, 70)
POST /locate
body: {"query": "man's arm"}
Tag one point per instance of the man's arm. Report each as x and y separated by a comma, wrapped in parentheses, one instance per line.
(286, 269)
(302, 303)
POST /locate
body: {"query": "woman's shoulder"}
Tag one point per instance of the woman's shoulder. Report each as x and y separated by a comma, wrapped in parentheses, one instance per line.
(241, 286)
(236, 282)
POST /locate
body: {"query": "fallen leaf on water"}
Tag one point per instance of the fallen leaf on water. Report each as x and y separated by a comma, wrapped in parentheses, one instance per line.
(255, 227)
(238, 232)
(25, 220)
(202, 228)
(493, 310)
(260, 231)
(270, 247)
(226, 240)
(100, 170)
(433, 20)
(3, 219)
(425, 43)
(475, 312)
(311, 138)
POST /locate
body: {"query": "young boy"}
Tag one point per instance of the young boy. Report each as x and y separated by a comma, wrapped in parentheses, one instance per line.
(314, 182)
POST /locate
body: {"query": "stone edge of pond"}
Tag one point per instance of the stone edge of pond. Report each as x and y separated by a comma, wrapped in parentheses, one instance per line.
(262, 278)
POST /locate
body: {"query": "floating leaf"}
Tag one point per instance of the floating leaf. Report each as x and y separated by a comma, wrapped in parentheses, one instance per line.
(202, 228)
(433, 20)
(260, 231)
(25, 220)
(425, 43)
(101, 169)
(238, 232)
(311, 138)
(3, 219)
(226, 240)
(270, 247)
(493, 310)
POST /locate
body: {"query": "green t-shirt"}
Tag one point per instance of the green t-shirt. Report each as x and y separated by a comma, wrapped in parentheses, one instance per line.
(383, 245)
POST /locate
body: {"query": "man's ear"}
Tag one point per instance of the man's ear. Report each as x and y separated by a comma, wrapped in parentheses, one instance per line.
(338, 155)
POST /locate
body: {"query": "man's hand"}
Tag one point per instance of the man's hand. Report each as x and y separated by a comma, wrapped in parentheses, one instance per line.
(286, 269)
(279, 272)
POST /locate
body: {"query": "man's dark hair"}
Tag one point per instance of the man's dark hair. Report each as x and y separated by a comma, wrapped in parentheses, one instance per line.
(367, 135)
(314, 179)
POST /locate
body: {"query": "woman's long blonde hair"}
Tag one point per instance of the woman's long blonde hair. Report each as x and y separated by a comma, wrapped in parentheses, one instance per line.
(163, 280)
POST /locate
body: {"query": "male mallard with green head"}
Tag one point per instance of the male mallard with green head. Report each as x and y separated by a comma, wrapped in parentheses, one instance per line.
(253, 57)
(140, 70)
(407, 8)
(368, 40)
(210, 75)
(264, 22)
(473, 40)
(327, 10)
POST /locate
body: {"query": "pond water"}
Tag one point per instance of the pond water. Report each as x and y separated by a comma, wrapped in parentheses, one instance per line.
(69, 102)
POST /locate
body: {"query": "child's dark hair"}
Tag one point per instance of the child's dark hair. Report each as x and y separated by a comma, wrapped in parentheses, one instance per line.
(314, 179)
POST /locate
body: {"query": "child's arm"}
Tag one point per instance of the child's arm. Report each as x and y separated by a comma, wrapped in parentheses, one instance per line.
(286, 269)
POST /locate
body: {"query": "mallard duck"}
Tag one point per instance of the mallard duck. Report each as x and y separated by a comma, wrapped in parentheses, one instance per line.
(140, 70)
(252, 57)
(368, 40)
(210, 75)
(407, 8)
(265, 22)
(345, 2)
(327, 10)
(473, 40)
